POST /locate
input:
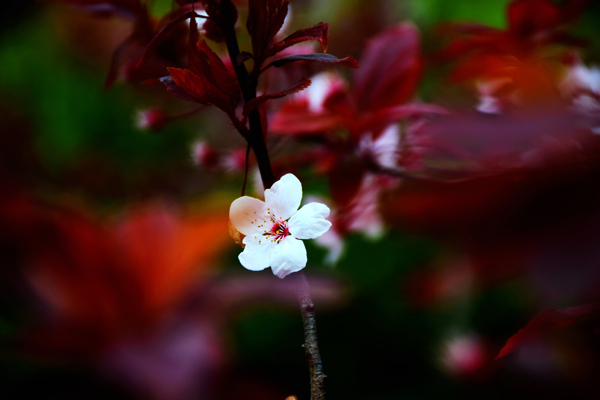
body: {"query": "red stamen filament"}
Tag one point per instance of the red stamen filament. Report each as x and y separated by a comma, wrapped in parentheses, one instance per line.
(278, 232)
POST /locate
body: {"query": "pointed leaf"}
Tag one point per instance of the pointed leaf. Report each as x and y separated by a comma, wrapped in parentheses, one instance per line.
(204, 62)
(162, 34)
(173, 88)
(213, 68)
(548, 320)
(265, 18)
(319, 32)
(391, 68)
(252, 104)
(200, 89)
(317, 57)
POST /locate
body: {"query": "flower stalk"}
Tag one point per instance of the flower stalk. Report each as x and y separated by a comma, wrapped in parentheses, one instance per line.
(256, 140)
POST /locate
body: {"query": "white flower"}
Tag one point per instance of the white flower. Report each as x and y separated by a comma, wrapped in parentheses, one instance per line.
(273, 227)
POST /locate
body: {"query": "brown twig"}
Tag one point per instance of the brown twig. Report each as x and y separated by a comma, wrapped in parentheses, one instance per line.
(256, 140)
(311, 344)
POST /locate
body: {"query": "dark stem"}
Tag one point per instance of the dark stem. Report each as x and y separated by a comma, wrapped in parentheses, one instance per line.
(311, 344)
(246, 169)
(256, 140)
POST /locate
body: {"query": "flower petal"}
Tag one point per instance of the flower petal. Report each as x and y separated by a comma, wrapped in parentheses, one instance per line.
(309, 222)
(246, 213)
(256, 254)
(284, 197)
(288, 256)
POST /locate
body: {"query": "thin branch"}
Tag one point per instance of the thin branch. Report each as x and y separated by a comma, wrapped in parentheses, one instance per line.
(256, 140)
(311, 343)
(246, 169)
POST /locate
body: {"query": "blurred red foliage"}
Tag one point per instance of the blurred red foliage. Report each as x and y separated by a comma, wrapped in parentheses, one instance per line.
(99, 283)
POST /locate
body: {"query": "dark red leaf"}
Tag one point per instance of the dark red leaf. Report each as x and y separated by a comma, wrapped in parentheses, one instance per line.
(172, 87)
(213, 31)
(319, 32)
(211, 27)
(317, 57)
(215, 71)
(265, 18)
(252, 104)
(527, 17)
(548, 320)
(382, 118)
(207, 81)
(209, 75)
(204, 62)
(391, 66)
(200, 89)
(162, 34)
(295, 118)
(339, 103)
(345, 180)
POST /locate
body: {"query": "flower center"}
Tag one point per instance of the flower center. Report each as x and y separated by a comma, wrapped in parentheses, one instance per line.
(278, 231)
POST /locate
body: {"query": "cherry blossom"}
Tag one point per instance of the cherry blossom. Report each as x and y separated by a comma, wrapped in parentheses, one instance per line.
(152, 118)
(273, 228)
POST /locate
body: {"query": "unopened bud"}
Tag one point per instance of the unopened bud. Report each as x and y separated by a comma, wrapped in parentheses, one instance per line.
(152, 118)
(205, 156)
(235, 162)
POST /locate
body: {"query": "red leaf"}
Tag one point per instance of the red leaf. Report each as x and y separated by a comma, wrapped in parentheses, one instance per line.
(382, 118)
(111, 282)
(319, 32)
(206, 63)
(172, 87)
(209, 64)
(213, 31)
(265, 18)
(252, 104)
(391, 68)
(207, 81)
(162, 34)
(317, 57)
(548, 320)
(211, 28)
(345, 180)
(527, 17)
(200, 89)
(294, 118)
